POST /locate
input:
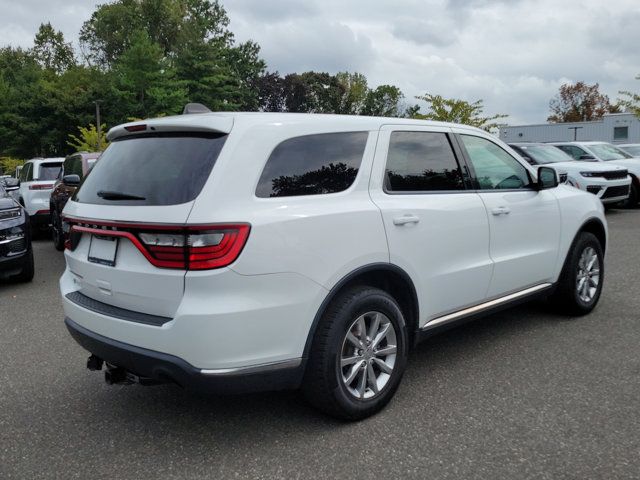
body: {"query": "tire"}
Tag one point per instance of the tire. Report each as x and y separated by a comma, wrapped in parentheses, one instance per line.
(56, 231)
(632, 201)
(326, 384)
(571, 296)
(26, 275)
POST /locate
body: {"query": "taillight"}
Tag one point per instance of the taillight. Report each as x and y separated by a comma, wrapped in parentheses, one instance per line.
(187, 248)
(215, 247)
(41, 186)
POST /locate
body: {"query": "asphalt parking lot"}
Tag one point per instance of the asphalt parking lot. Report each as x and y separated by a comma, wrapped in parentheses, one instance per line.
(522, 394)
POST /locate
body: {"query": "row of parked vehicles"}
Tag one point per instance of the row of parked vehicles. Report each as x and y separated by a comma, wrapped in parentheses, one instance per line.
(32, 203)
(267, 251)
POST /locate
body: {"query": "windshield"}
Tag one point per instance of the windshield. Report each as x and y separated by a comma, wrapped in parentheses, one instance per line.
(607, 152)
(632, 150)
(152, 169)
(543, 154)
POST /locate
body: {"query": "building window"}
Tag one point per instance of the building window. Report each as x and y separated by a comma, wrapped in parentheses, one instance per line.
(620, 133)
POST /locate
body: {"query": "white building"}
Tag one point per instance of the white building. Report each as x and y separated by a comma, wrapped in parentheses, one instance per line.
(613, 128)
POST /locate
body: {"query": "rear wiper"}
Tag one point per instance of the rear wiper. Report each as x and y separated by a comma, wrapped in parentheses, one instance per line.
(111, 195)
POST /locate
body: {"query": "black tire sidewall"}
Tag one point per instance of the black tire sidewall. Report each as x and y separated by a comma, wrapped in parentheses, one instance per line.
(366, 301)
(583, 242)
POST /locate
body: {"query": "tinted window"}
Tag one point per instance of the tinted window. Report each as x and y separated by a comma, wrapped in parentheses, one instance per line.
(73, 166)
(495, 169)
(542, 154)
(573, 151)
(313, 165)
(161, 169)
(49, 171)
(421, 161)
(24, 172)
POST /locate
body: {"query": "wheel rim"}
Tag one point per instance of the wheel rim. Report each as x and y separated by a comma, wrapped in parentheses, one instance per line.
(588, 277)
(368, 355)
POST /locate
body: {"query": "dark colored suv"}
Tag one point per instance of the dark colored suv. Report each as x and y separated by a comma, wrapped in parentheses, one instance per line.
(74, 169)
(16, 255)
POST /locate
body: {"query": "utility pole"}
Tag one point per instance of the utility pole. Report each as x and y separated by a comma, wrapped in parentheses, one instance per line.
(575, 132)
(98, 127)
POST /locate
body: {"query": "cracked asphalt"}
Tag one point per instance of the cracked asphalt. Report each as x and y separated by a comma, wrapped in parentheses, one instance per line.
(522, 394)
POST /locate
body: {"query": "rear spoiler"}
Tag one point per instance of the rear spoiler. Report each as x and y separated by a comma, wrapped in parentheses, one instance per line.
(201, 123)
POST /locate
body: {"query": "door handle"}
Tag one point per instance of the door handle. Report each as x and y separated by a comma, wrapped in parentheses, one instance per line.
(501, 211)
(403, 220)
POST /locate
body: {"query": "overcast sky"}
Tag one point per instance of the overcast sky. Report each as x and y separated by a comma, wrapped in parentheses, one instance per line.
(514, 54)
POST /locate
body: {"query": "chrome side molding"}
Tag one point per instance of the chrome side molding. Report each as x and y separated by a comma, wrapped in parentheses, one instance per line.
(485, 306)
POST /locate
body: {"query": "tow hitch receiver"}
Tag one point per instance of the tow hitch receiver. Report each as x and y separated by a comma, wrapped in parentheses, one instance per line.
(94, 363)
(119, 376)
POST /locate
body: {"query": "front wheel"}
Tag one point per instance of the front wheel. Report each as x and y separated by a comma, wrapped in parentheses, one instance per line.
(582, 277)
(358, 355)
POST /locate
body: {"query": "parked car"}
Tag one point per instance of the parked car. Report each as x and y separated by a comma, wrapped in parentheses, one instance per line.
(37, 177)
(630, 148)
(606, 152)
(74, 169)
(310, 251)
(610, 183)
(16, 255)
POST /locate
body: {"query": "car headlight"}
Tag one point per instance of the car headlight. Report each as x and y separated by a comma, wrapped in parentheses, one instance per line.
(590, 174)
(10, 213)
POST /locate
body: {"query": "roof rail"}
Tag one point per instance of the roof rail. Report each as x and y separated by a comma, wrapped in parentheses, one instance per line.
(195, 108)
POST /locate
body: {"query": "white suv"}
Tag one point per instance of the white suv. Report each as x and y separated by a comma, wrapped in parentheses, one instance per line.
(236, 252)
(610, 183)
(606, 152)
(37, 177)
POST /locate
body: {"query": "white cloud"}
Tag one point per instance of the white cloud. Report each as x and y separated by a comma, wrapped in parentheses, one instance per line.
(514, 54)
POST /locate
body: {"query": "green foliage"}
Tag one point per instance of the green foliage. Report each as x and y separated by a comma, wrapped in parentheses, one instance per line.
(51, 51)
(579, 102)
(631, 101)
(8, 165)
(315, 92)
(87, 140)
(457, 111)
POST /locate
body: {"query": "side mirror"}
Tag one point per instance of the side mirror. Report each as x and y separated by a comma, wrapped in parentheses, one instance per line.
(72, 180)
(586, 157)
(11, 184)
(547, 178)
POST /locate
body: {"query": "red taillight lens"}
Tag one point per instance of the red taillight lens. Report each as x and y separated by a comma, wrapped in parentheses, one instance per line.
(215, 247)
(41, 186)
(193, 247)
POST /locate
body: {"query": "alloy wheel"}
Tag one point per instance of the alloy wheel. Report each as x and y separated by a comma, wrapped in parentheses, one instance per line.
(368, 355)
(588, 277)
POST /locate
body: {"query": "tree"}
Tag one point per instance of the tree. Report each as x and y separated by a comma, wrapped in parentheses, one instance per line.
(457, 111)
(87, 141)
(631, 101)
(145, 81)
(384, 101)
(579, 103)
(51, 51)
(8, 165)
(355, 91)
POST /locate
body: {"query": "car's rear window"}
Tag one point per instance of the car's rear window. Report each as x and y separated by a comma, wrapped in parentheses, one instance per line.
(49, 171)
(152, 169)
(313, 165)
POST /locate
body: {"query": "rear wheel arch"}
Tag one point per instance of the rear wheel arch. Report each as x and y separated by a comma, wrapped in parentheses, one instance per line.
(385, 276)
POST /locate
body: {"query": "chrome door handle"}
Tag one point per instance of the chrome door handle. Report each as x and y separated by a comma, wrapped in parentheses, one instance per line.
(403, 220)
(501, 211)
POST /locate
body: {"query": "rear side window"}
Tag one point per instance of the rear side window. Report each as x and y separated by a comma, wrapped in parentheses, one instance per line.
(73, 166)
(420, 162)
(152, 169)
(313, 165)
(49, 171)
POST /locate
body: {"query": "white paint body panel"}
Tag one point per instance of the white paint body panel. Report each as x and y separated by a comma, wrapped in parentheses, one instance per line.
(261, 308)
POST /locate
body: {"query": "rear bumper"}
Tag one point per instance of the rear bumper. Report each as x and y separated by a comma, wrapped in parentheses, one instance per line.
(168, 368)
(41, 218)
